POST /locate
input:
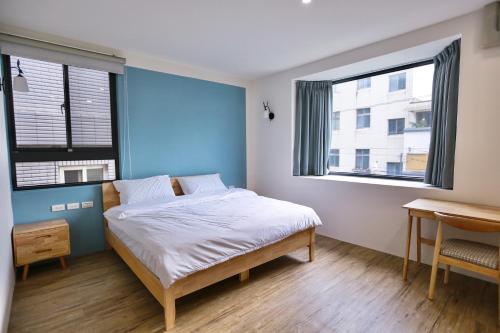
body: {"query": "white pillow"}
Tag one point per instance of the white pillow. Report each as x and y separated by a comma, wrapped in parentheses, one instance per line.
(201, 184)
(139, 190)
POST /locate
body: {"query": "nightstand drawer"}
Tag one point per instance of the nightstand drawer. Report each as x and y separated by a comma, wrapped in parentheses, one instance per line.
(41, 237)
(27, 254)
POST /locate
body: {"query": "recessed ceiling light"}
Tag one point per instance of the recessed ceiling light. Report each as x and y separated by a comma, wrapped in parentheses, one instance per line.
(306, 1)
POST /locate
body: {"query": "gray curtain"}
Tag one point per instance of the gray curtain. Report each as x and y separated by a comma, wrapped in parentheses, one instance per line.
(313, 127)
(441, 159)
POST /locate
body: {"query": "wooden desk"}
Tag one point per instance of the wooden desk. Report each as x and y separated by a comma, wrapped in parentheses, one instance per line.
(425, 208)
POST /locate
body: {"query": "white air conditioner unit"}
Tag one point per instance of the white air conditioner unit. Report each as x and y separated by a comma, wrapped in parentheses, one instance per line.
(491, 30)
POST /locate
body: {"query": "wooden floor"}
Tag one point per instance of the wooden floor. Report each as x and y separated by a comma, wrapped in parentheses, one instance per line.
(347, 289)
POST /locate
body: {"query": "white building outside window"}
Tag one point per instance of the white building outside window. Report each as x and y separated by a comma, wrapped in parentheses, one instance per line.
(385, 125)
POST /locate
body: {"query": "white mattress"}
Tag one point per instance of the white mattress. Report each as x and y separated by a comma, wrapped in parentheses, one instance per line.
(193, 232)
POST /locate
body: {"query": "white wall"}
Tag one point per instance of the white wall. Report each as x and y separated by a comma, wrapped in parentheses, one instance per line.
(370, 215)
(134, 59)
(7, 277)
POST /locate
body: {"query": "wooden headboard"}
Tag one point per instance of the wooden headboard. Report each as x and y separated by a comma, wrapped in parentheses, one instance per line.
(111, 197)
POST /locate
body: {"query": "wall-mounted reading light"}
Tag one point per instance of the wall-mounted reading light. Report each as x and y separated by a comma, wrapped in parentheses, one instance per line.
(20, 83)
(268, 114)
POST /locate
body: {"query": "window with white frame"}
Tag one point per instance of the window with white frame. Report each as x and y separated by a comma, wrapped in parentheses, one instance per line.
(336, 121)
(362, 160)
(88, 172)
(423, 119)
(364, 83)
(394, 168)
(363, 118)
(63, 129)
(396, 126)
(397, 82)
(334, 158)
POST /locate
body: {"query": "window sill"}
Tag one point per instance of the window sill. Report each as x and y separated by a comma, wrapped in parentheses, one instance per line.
(376, 181)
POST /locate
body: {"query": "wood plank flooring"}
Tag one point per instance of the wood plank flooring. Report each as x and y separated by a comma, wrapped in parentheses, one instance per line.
(347, 289)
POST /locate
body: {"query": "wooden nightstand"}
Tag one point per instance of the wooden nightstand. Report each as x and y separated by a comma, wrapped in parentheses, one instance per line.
(40, 241)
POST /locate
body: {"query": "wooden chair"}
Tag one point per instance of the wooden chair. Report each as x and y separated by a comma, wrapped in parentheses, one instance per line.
(473, 256)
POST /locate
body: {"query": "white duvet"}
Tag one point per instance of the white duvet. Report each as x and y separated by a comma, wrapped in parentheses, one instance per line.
(193, 232)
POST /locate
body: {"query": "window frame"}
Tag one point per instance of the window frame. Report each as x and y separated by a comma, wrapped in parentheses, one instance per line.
(398, 82)
(336, 121)
(363, 153)
(84, 169)
(400, 165)
(335, 155)
(375, 73)
(429, 113)
(389, 133)
(69, 153)
(364, 115)
(364, 87)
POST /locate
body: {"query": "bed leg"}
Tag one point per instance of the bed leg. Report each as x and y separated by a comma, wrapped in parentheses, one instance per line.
(312, 244)
(169, 308)
(245, 275)
(107, 244)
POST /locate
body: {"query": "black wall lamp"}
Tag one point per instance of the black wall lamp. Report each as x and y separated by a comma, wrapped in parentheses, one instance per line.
(268, 114)
(20, 83)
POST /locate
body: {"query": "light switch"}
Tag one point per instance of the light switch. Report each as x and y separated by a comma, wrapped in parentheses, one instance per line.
(73, 205)
(87, 204)
(58, 208)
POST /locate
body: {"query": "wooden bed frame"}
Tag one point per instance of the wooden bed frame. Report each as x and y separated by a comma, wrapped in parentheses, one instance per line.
(198, 280)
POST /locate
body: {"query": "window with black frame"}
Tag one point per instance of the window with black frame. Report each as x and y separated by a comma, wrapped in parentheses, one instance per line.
(63, 126)
(386, 122)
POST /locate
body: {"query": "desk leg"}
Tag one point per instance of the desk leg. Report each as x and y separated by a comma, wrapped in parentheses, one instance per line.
(408, 243)
(419, 243)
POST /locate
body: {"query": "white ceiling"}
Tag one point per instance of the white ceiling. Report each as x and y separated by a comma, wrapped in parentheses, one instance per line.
(243, 38)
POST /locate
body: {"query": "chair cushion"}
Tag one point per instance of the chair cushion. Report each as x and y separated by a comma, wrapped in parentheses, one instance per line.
(475, 253)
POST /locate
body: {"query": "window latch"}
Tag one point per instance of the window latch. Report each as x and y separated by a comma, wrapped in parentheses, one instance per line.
(63, 108)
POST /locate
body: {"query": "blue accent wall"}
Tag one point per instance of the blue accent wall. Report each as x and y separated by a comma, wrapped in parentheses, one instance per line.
(85, 224)
(182, 126)
(175, 125)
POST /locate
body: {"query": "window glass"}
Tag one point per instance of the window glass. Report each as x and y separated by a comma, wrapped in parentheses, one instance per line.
(397, 82)
(73, 176)
(334, 159)
(63, 172)
(90, 107)
(363, 118)
(94, 175)
(396, 126)
(363, 159)
(364, 83)
(423, 119)
(380, 128)
(39, 114)
(394, 168)
(336, 121)
(62, 127)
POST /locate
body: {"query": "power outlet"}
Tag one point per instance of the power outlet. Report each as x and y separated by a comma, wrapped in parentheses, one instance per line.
(73, 205)
(58, 208)
(87, 204)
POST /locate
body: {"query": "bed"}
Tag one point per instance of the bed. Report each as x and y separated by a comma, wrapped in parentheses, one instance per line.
(211, 241)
